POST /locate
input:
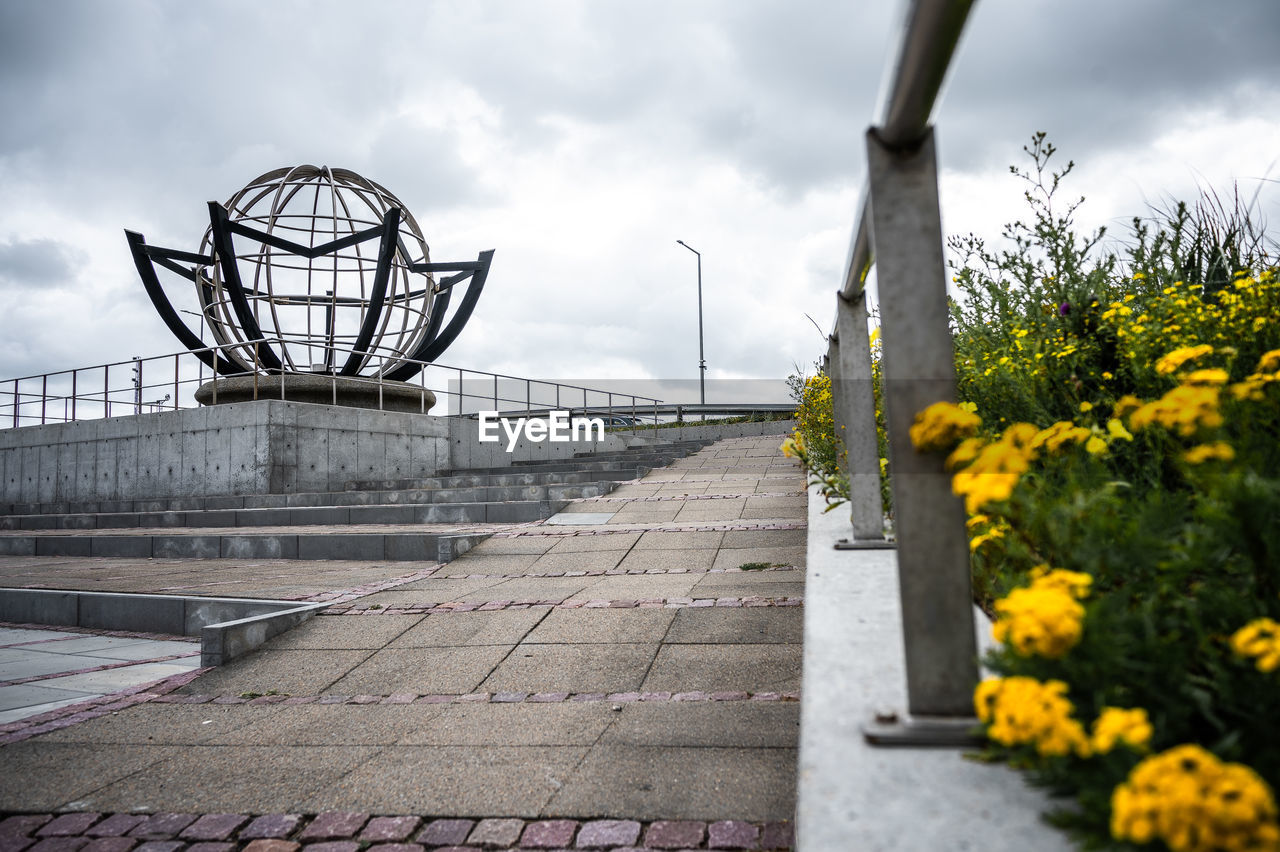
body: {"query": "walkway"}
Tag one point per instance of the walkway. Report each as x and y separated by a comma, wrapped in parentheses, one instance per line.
(627, 678)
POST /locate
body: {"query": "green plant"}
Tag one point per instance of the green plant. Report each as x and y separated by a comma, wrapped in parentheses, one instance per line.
(1123, 484)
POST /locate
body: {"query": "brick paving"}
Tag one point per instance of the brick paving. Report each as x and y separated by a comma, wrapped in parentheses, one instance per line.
(355, 831)
(625, 685)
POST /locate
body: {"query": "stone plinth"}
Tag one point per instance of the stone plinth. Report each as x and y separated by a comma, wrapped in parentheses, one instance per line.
(320, 389)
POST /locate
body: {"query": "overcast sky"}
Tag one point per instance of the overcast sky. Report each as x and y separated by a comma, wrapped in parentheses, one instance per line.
(581, 140)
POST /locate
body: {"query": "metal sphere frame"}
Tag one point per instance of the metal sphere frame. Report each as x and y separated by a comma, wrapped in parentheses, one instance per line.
(303, 280)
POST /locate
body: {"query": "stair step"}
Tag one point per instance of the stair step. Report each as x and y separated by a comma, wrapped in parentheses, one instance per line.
(394, 497)
(490, 512)
(388, 546)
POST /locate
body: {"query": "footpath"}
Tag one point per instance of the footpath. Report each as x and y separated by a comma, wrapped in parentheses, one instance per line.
(624, 675)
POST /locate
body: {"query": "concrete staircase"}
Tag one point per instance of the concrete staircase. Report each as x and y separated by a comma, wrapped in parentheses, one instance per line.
(404, 519)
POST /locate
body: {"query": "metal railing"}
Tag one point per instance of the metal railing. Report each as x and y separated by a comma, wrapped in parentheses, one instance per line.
(899, 230)
(170, 382)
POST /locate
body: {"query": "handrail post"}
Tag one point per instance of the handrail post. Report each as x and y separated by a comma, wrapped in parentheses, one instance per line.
(854, 402)
(918, 365)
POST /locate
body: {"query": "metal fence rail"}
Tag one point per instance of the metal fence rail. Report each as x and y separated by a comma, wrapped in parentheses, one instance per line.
(169, 382)
(899, 230)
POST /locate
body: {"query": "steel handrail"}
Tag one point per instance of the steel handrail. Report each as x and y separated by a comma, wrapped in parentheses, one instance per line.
(930, 33)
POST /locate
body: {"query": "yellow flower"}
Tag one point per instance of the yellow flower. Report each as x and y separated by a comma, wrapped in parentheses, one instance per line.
(978, 540)
(1076, 583)
(1260, 639)
(1040, 621)
(1126, 404)
(1269, 362)
(1086, 406)
(1117, 432)
(1175, 359)
(1095, 446)
(1024, 711)
(1185, 409)
(941, 425)
(1194, 802)
(1059, 434)
(1116, 725)
(1213, 377)
(1218, 450)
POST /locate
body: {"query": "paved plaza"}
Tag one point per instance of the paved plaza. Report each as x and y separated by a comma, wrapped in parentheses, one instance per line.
(629, 677)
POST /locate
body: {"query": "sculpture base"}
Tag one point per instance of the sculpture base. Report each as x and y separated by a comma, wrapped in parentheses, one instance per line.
(320, 389)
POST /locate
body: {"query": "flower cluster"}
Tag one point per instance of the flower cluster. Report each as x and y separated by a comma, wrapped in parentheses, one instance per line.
(1044, 619)
(1194, 802)
(1117, 725)
(1024, 711)
(1186, 409)
(941, 425)
(1259, 639)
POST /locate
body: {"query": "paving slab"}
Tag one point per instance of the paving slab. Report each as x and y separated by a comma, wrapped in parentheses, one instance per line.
(521, 545)
(563, 724)
(736, 557)
(746, 584)
(462, 781)
(344, 633)
(750, 625)
(506, 628)
(164, 724)
(47, 776)
(531, 589)
(657, 540)
(754, 668)
(740, 724)
(299, 672)
(572, 668)
(330, 724)
(641, 782)
(737, 539)
(668, 559)
(602, 626)
(454, 671)
(590, 560)
(241, 779)
(644, 586)
(480, 563)
(592, 543)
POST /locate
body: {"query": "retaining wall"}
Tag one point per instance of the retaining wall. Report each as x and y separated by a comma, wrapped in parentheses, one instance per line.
(262, 447)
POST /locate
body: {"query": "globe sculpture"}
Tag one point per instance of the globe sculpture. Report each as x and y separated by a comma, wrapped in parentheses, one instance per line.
(317, 272)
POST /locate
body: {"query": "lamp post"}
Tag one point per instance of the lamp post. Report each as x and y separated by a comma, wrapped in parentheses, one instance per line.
(702, 360)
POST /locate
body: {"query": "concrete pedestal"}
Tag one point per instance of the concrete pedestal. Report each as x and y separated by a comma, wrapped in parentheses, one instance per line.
(320, 389)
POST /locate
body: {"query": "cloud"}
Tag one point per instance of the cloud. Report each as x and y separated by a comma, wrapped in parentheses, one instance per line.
(39, 263)
(581, 139)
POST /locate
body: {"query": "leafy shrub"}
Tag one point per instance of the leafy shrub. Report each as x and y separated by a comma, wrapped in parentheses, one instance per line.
(1118, 454)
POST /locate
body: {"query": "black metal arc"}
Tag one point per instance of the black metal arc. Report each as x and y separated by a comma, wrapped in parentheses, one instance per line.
(386, 253)
(224, 250)
(143, 256)
(309, 252)
(432, 346)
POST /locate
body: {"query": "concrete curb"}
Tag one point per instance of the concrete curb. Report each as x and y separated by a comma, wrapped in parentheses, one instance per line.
(851, 795)
(227, 627)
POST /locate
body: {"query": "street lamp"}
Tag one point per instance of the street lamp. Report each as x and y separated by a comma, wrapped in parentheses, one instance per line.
(702, 360)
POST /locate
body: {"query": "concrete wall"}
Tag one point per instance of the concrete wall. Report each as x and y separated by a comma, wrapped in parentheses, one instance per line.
(262, 447)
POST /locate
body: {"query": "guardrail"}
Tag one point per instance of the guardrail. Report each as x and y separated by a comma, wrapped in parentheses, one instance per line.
(899, 231)
(169, 382)
(678, 410)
